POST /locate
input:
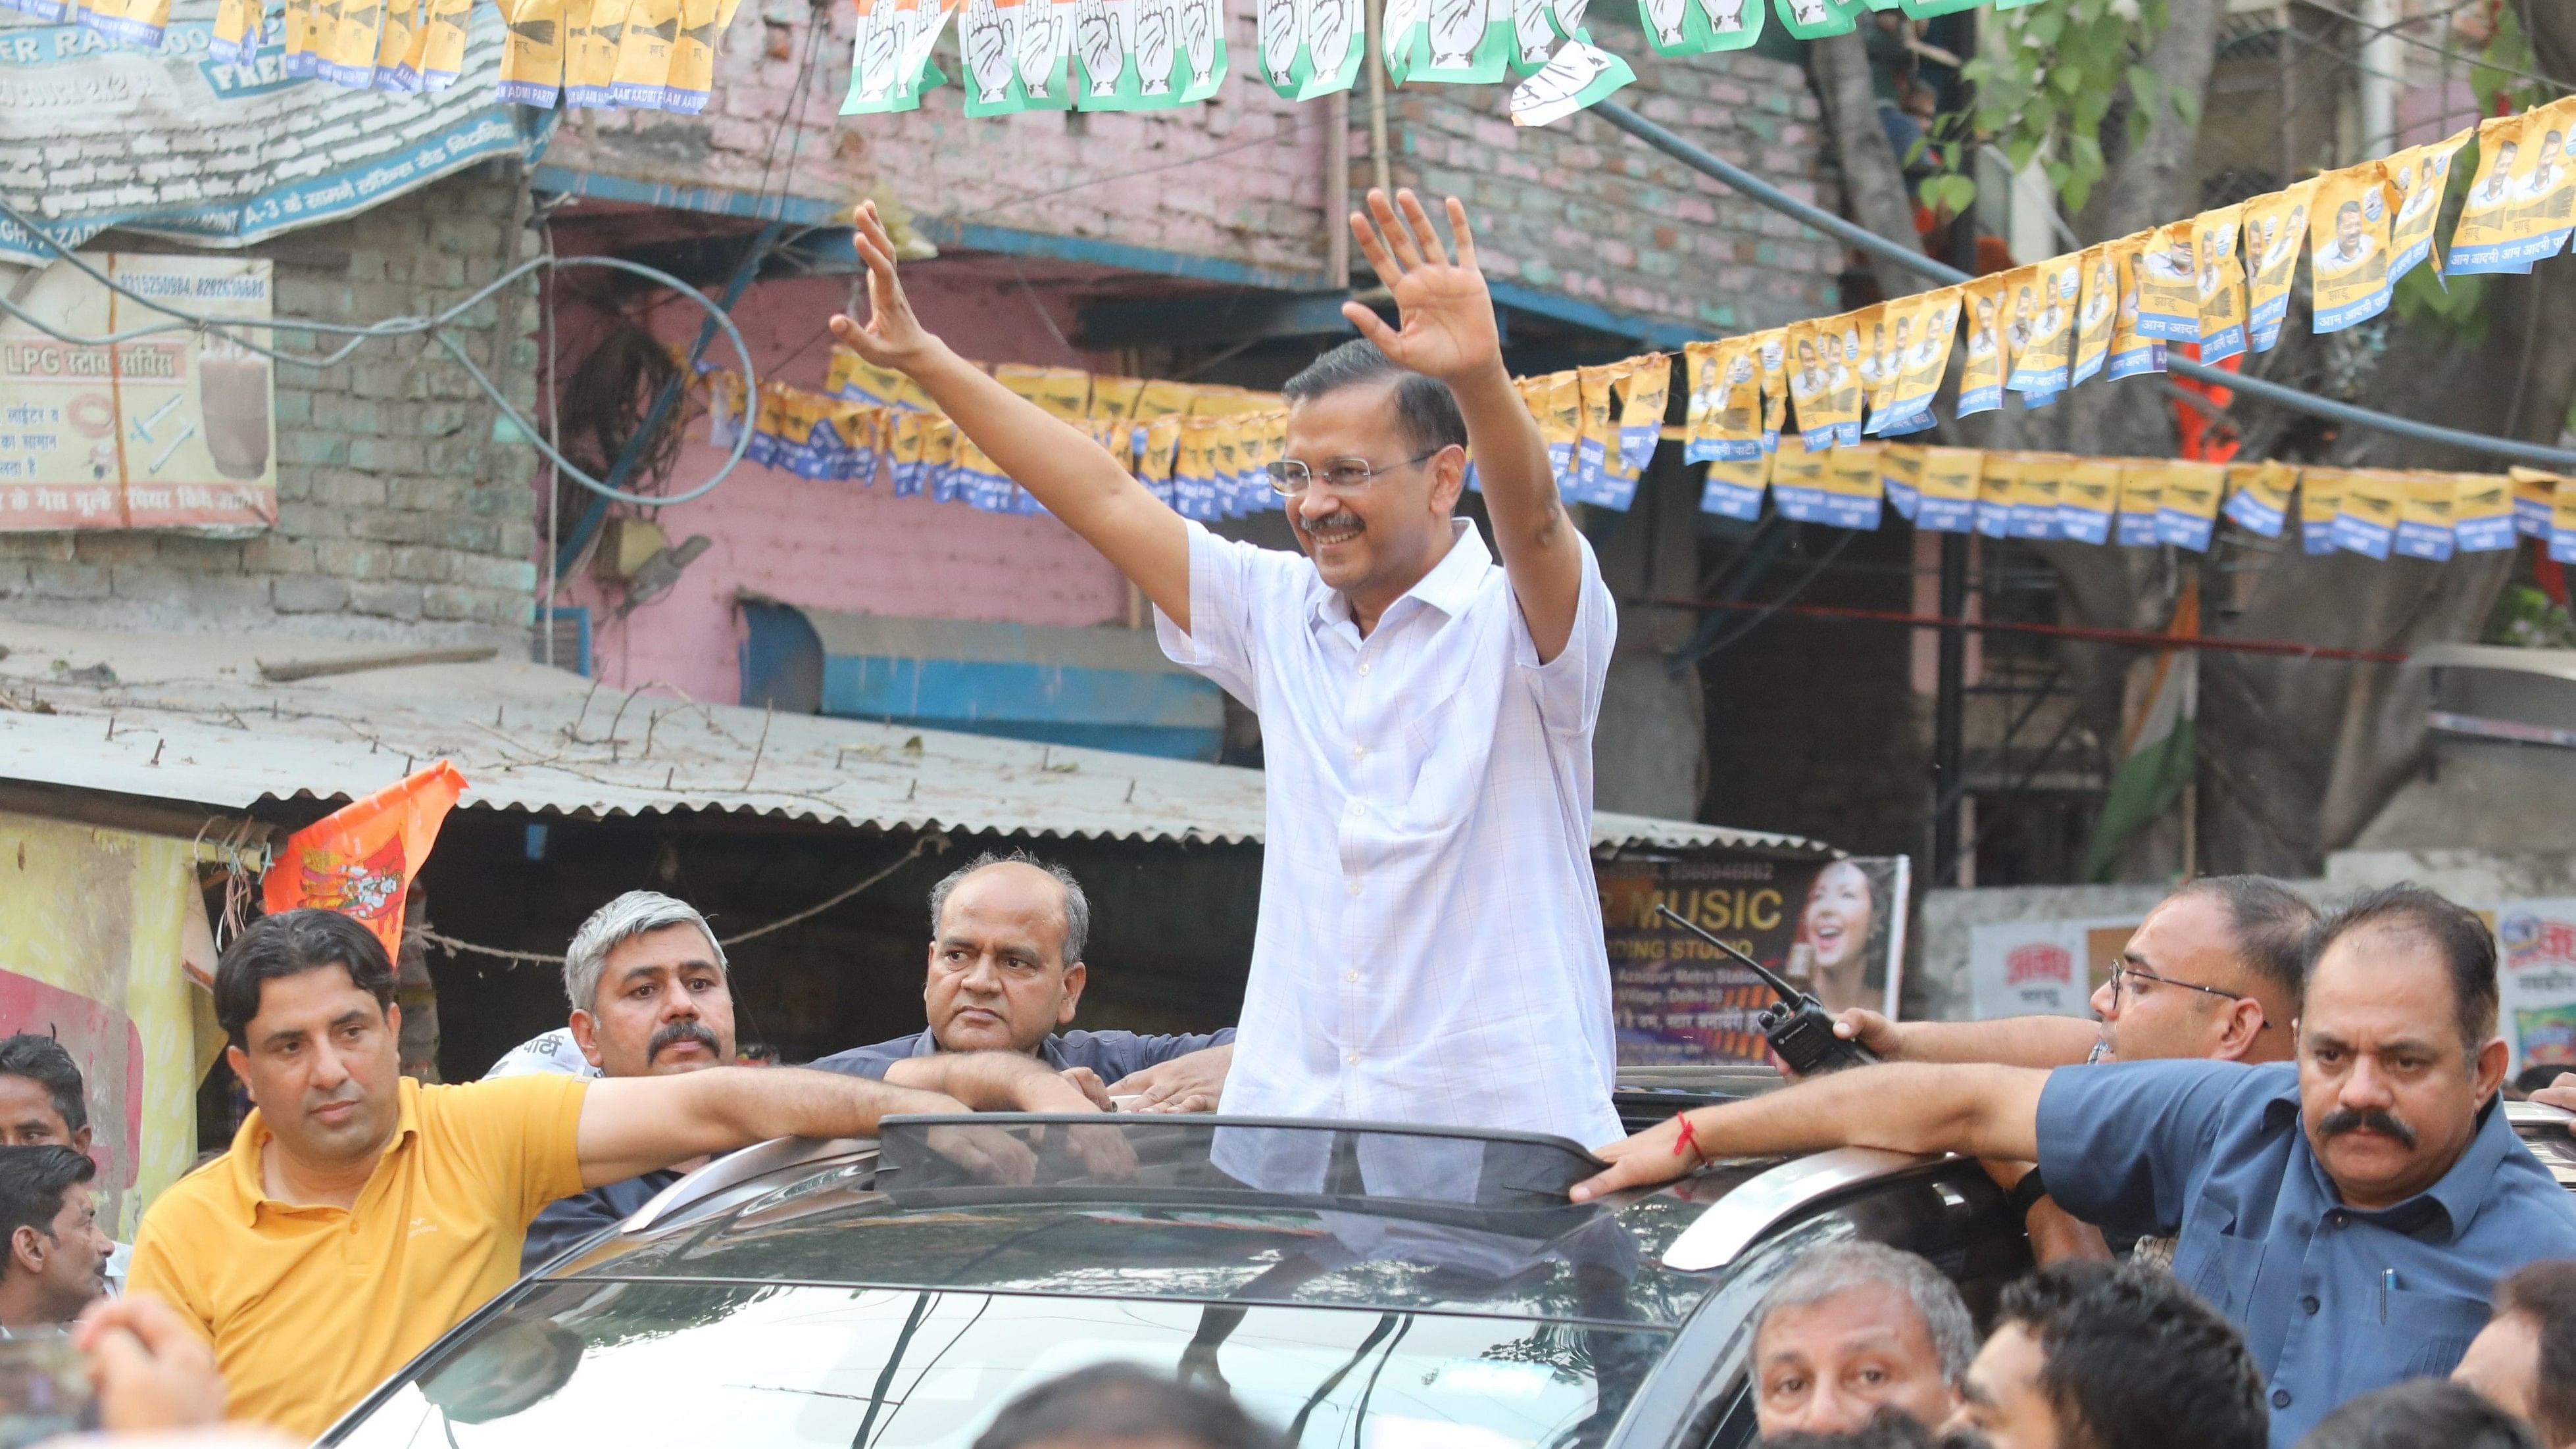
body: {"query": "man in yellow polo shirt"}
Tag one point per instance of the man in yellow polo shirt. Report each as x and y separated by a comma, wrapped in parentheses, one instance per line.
(359, 1214)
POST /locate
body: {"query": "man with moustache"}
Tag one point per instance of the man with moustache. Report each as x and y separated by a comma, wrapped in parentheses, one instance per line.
(652, 998)
(2348, 1214)
(1427, 712)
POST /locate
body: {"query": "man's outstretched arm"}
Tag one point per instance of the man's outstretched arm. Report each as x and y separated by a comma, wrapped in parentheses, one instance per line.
(1981, 1111)
(636, 1124)
(1077, 479)
(1446, 330)
(992, 1082)
(2012, 1041)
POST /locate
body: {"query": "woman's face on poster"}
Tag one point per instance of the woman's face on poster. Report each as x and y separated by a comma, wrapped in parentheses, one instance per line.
(1837, 919)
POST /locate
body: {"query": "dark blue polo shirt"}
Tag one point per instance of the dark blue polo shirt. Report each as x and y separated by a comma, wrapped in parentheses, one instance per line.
(2334, 1302)
(1112, 1054)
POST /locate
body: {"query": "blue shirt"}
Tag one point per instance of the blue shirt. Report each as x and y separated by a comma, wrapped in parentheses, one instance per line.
(1112, 1054)
(584, 1215)
(2214, 1152)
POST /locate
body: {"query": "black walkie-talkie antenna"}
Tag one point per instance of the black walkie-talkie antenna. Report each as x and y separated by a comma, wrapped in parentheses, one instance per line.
(1788, 994)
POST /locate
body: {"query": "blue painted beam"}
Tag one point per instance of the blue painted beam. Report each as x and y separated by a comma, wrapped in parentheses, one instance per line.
(1178, 716)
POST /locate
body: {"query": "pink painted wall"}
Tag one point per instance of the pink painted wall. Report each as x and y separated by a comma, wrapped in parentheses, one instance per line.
(839, 545)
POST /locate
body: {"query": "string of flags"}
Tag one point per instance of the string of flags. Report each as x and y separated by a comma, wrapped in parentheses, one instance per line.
(1204, 450)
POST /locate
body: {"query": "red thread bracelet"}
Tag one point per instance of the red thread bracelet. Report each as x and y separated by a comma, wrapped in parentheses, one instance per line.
(1688, 1138)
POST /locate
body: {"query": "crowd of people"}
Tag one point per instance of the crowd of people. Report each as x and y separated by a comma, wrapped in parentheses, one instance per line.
(2271, 1191)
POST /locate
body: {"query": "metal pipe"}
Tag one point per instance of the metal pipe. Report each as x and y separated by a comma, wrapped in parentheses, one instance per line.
(2535, 454)
(1337, 191)
(1377, 96)
(1950, 712)
(2381, 56)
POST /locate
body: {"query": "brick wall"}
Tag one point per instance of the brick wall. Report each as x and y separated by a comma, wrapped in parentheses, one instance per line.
(1258, 199)
(396, 514)
(1580, 208)
(1576, 207)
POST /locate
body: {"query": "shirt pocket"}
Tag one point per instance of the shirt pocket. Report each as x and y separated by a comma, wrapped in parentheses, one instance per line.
(2425, 1333)
(2226, 1275)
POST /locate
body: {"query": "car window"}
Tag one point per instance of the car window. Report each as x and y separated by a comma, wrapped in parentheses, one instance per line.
(679, 1363)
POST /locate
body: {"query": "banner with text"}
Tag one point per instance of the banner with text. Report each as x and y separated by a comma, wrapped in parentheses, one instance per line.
(1833, 928)
(173, 431)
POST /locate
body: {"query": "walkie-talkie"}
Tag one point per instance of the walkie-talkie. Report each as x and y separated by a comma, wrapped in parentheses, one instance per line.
(1799, 1028)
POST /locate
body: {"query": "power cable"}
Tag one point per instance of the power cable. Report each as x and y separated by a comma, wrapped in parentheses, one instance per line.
(436, 326)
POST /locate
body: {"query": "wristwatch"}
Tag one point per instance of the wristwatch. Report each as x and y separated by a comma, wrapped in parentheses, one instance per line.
(2026, 1194)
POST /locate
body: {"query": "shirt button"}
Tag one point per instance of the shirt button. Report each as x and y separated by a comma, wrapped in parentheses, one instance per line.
(2337, 1218)
(1354, 976)
(2310, 1303)
(1358, 809)
(1364, 666)
(1355, 1059)
(1353, 887)
(2280, 1398)
(1359, 752)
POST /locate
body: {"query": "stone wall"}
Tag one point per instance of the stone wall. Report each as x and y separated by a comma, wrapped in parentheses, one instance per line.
(397, 515)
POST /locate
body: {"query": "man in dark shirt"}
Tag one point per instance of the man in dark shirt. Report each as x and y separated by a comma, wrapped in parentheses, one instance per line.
(650, 997)
(1006, 971)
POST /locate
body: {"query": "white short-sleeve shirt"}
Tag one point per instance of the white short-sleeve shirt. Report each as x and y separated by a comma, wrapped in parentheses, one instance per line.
(1429, 946)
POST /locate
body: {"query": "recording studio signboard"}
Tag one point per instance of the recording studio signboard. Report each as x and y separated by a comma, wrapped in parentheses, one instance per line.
(1833, 928)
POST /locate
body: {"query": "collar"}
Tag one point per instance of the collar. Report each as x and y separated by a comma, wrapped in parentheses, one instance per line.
(250, 1184)
(1450, 586)
(2454, 1198)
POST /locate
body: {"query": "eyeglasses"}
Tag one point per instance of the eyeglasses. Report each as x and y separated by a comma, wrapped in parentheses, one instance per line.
(1290, 476)
(2122, 970)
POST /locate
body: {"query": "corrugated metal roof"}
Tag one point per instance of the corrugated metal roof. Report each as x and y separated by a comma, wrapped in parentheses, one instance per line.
(189, 719)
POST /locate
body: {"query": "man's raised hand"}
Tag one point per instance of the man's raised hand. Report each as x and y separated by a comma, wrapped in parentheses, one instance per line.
(1445, 313)
(892, 336)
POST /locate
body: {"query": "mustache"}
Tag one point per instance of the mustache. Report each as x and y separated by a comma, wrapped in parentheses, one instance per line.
(1334, 522)
(680, 1031)
(2346, 1119)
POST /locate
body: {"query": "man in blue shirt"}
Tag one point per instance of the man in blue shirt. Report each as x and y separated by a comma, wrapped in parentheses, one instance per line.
(1006, 970)
(2350, 1213)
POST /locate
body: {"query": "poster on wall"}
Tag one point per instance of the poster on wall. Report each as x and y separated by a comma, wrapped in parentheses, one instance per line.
(93, 958)
(2538, 961)
(176, 430)
(2043, 967)
(1834, 928)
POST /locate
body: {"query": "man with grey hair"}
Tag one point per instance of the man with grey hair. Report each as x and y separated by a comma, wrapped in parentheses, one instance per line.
(1854, 1331)
(650, 996)
(1006, 970)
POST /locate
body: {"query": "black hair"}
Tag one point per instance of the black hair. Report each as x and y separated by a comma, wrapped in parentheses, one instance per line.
(291, 943)
(2270, 923)
(1889, 1428)
(32, 1183)
(2420, 1412)
(1119, 1403)
(1425, 408)
(2545, 1074)
(43, 1061)
(2468, 948)
(2545, 1293)
(2135, 1361)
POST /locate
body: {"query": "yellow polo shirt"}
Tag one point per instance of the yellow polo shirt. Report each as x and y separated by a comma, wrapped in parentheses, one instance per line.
(309, 1308)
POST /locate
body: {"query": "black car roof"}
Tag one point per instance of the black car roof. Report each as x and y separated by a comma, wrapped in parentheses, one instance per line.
(1246, 1210)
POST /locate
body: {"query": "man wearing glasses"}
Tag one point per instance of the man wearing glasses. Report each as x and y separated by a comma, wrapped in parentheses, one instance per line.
(2212, 973)
(2349, 1212)
(1429, 946)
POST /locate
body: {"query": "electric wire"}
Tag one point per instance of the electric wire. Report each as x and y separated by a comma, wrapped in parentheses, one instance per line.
(435, 326)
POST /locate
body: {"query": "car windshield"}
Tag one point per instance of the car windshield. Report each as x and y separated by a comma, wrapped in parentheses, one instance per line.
(1163, 1208)
(653, 1363)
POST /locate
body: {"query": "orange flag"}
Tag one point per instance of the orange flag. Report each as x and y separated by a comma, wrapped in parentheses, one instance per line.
(359, 859)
